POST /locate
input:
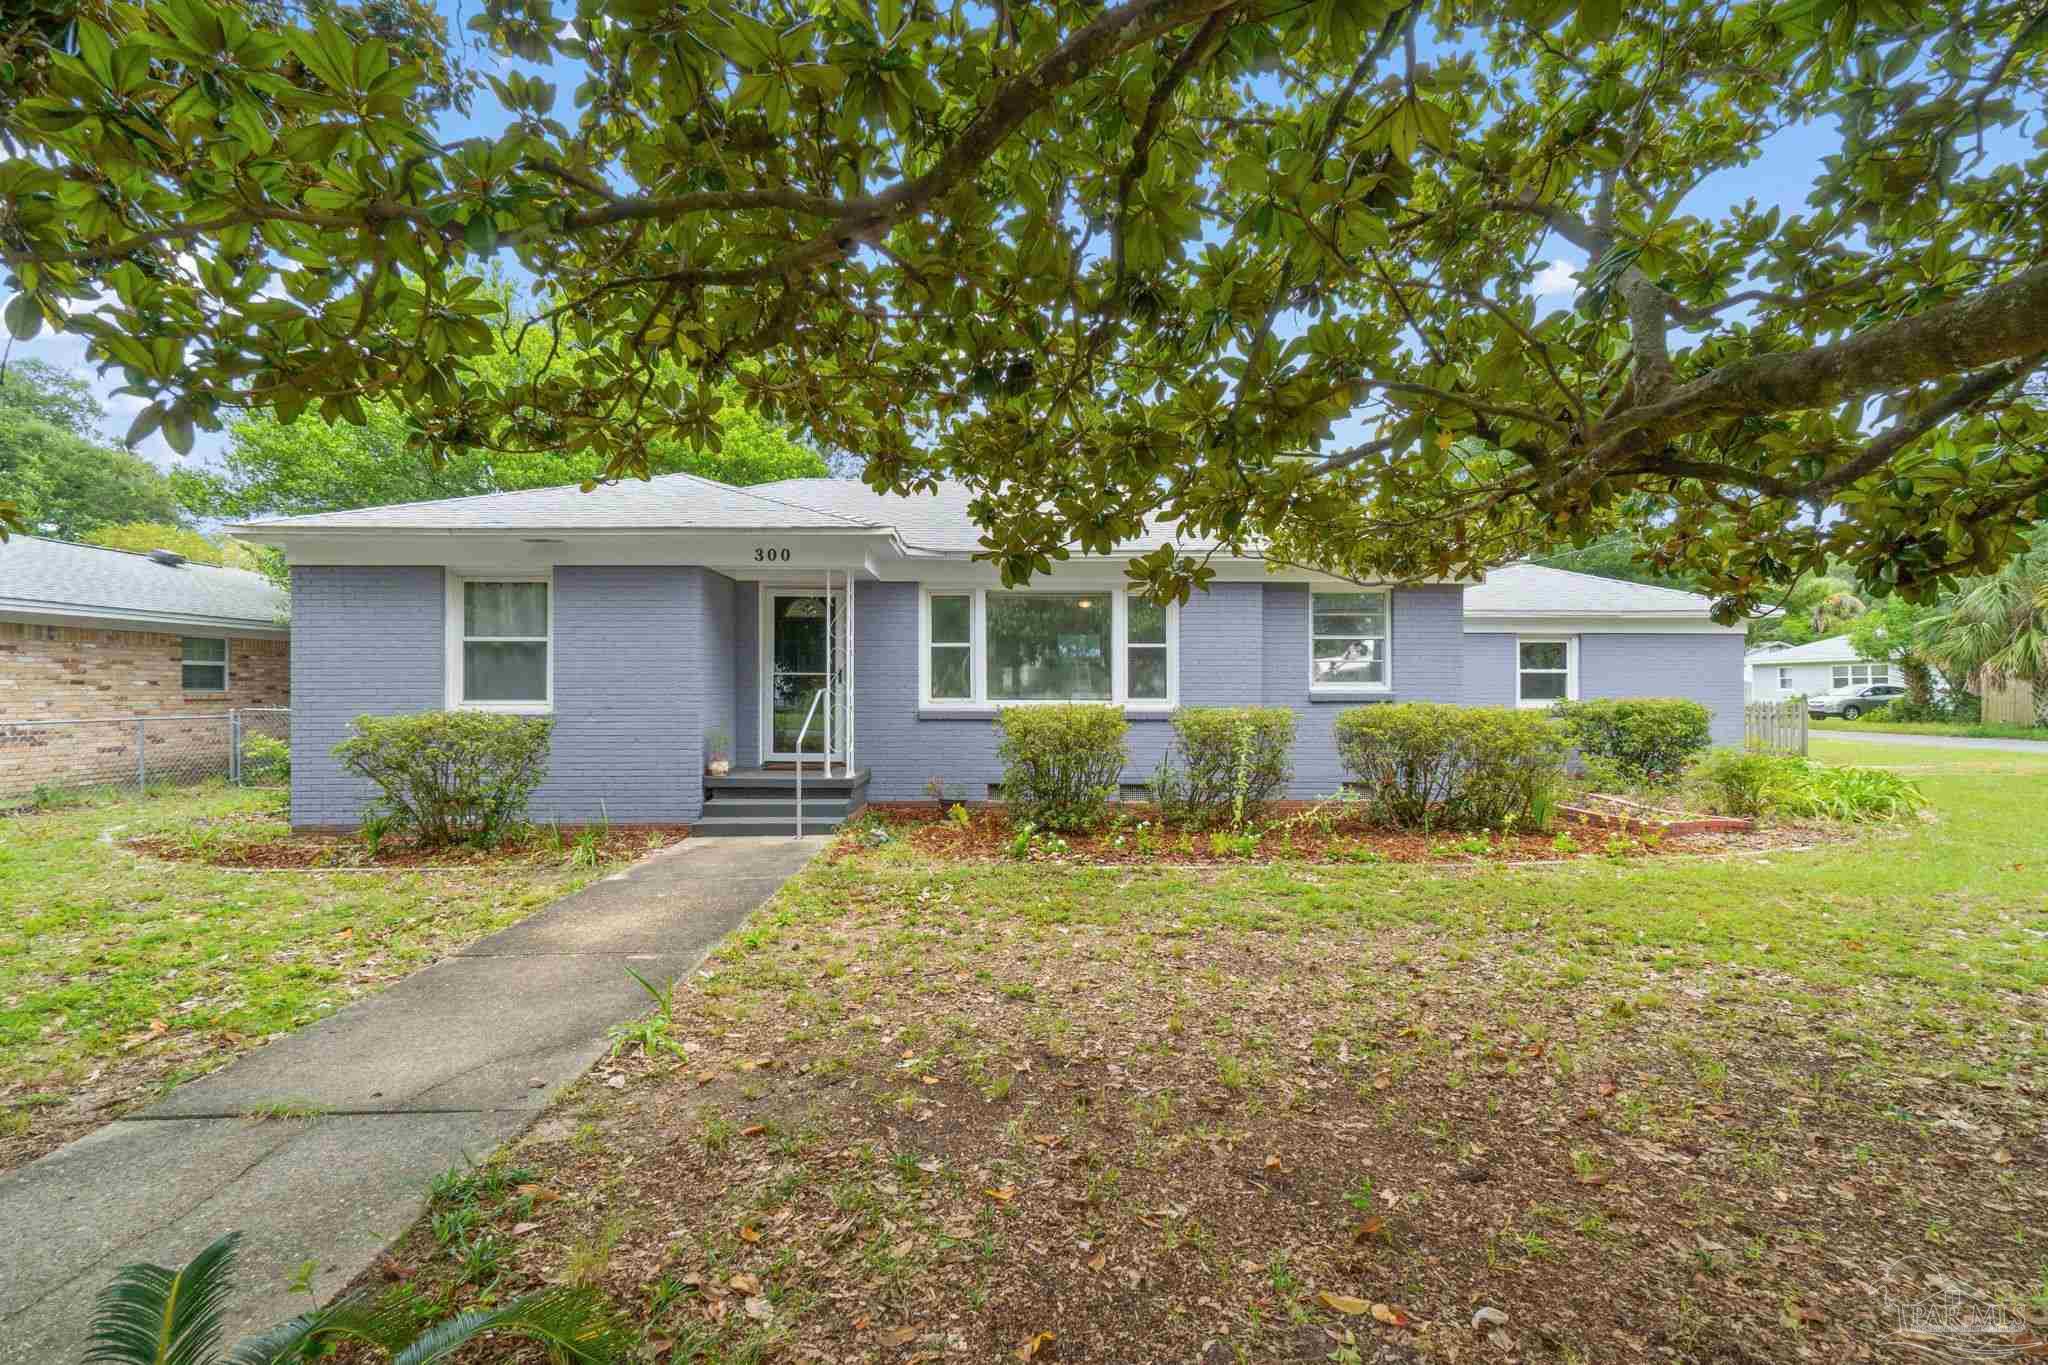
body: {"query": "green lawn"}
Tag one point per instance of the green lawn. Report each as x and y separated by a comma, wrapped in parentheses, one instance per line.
(1954, 730)
(1668, 1108)
(121, 975)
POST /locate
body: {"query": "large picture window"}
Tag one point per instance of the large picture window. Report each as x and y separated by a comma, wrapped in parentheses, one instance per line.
(1861, 675)
(1543, 672)
(1348, 639)
(989, 647)
(502, 661)
(205, 666)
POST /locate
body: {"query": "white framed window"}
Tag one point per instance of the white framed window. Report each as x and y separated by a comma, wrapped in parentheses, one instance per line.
(204, 665)
(1861, 675)
(501, 642)
(1784, 680)
(1008, 647)
(1546, 671)
(1350, 634)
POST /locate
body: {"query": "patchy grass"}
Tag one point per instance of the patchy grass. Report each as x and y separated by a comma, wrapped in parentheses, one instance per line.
(122, 975)
(1953, 729)
(1716, 1110)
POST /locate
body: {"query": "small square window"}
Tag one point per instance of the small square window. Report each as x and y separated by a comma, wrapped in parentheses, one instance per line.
(204, 666)
(1544, 672)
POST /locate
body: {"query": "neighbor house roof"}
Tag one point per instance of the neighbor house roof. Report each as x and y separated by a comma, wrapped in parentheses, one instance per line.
(1530, 590)
(41, 577)
(668, 502)
(1836, 649)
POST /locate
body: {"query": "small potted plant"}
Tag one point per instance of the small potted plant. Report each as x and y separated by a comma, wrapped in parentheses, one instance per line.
(718, 751)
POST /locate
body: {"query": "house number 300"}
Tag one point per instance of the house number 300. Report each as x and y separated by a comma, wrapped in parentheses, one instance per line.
(770, 555)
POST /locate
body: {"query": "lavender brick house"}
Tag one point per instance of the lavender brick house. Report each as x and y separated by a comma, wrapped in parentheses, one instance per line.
(667, 622)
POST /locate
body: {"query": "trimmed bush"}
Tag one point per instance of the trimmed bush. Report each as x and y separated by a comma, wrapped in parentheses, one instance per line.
(1428, 765)
(1061, 763)
(451, 776)
(1226, 763)
(1646, 739)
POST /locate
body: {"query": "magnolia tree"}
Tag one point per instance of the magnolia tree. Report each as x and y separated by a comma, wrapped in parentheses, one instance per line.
(1261, 268)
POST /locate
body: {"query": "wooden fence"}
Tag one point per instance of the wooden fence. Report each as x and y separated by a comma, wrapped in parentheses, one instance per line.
(1777, 726)
(2008, 703)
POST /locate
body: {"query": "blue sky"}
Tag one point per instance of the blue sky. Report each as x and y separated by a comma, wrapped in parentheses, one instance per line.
(1781, 175)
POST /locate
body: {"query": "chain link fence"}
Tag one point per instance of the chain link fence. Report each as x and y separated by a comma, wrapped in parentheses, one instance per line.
(248, 746)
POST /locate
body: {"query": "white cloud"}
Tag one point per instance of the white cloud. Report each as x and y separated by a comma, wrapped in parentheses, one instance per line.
(1558, 277)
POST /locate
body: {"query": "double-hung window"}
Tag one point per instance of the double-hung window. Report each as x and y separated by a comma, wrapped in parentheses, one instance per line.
(1861, 675)
(204, 665)
(994, 647)
(502, 659)
(1544, 672)
(1348, 640)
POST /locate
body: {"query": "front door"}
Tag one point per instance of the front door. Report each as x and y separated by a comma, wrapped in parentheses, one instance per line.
(796, 672)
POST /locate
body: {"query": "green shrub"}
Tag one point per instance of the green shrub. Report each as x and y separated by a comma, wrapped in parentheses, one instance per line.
(451, 776)
(1226, 763)
(1427, 765)
(151, 1315)
(265, 759)
(1807, 790)
(1742, 781)
(1754, 784)
(1061, 763)
(1647, 739)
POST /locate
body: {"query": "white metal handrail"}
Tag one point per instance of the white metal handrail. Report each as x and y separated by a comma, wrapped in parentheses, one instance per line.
(802, 731)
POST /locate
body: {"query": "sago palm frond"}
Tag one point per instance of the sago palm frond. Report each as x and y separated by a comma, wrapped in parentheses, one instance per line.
(388, 1329)
(152, 1315)
(572, 1324)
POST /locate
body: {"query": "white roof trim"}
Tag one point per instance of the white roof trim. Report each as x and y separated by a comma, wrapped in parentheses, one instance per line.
(80, 613)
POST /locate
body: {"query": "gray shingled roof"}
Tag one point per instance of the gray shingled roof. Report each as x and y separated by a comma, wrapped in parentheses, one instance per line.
(936, 521)
(1531, 590)
(667, 502)
(1836, 649)
(54, 576)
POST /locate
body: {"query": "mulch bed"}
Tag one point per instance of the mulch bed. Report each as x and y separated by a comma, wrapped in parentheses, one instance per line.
(613, 843)
(988, 835)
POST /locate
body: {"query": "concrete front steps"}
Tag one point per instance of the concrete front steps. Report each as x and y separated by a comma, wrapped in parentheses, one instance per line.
(763, 801)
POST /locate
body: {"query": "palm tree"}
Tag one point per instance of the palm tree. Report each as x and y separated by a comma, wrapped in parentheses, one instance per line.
(152, 1315)
(1997, 628)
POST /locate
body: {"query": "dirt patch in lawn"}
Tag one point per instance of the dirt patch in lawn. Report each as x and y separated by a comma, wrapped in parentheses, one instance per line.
(899, 1123)
(585, 846)
(1137, 838)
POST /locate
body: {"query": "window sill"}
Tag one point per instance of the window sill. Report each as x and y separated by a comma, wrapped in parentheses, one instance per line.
(1344, 694)
(988, 710)
(504, 708)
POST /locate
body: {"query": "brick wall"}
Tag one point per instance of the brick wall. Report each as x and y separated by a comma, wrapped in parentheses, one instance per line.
(90, 674)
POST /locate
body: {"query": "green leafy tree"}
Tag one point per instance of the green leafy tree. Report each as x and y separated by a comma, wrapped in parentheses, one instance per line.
(65, 485)
(1996, 627)
(1890, 630)
(49, 394)
(156, 535)
(1112, 262)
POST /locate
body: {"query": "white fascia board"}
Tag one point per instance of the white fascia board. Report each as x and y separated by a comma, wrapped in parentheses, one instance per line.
(162, 622)
(1596, 623)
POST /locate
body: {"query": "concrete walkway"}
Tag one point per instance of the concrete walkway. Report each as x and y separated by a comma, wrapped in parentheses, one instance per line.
(432, 1073)
(2007, 746)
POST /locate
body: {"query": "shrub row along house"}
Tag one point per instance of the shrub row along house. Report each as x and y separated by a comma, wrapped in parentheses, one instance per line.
(669, 623)
(88, 634)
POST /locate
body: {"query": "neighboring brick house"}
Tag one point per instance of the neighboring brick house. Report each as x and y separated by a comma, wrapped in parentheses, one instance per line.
(90, 634)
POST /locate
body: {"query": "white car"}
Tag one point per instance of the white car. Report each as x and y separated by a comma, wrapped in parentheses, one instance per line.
(1851, 702)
